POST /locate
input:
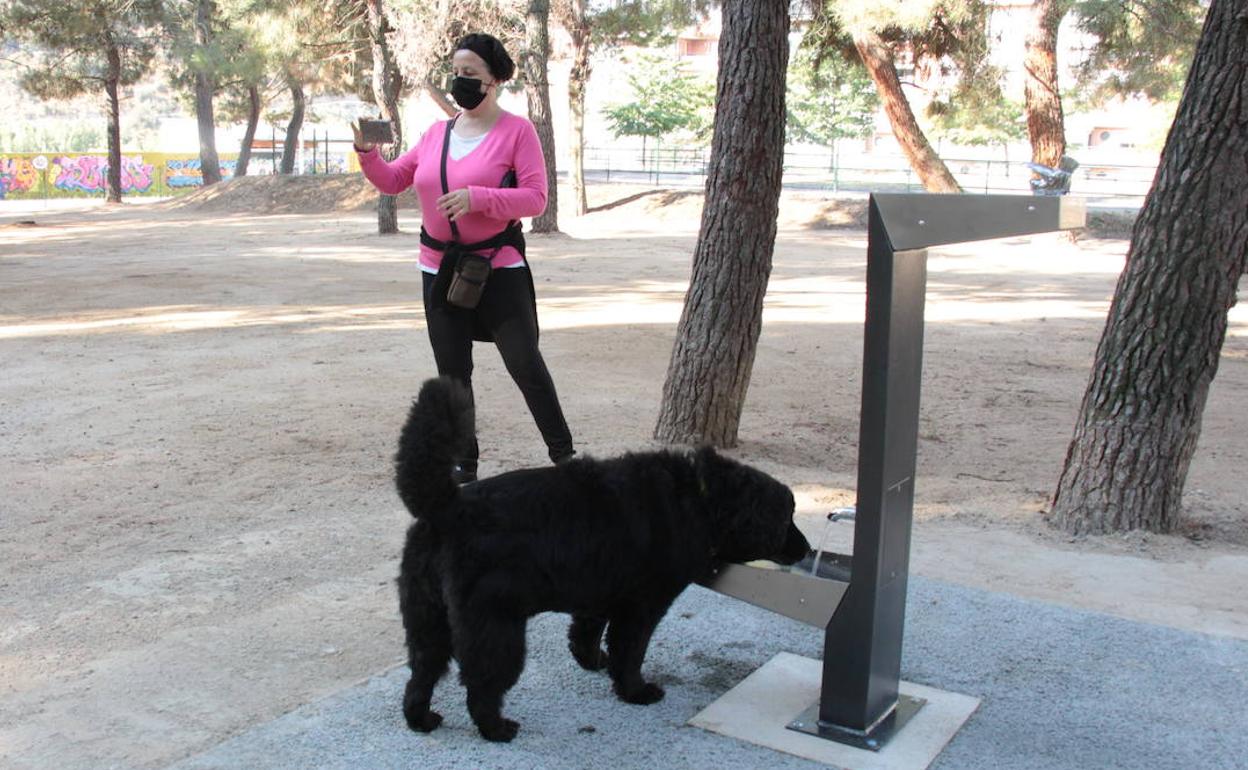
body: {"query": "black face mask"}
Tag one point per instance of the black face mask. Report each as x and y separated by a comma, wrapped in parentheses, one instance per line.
(467, 92)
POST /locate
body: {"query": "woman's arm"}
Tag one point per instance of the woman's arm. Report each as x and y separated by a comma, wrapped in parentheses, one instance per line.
(528, 197)
(391, 178)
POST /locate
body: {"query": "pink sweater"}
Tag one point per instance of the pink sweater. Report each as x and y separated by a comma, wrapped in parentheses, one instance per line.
(511, 143)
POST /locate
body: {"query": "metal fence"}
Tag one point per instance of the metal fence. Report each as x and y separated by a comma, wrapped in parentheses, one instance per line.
(677, 166)
(71, 175)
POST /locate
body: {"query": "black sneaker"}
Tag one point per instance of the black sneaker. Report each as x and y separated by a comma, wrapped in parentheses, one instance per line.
(561, 459)
(464, 473)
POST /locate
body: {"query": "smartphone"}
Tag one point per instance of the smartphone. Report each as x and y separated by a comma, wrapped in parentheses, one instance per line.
(376, 131)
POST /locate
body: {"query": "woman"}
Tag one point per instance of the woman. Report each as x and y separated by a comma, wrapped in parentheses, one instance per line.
(483, 144)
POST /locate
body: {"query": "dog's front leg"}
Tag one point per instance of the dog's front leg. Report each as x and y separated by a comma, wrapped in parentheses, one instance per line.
(628, 638)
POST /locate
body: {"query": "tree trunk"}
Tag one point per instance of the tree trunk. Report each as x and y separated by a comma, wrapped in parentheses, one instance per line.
(578, 27)
(1140, 418)
(537, 89)
(209, 163)
(111, 86)
(713, 355)
(386, 85)
(1046, 125)
(249, 136)
(442, 25)
(290, 146)
(439, 98)
(878, 58)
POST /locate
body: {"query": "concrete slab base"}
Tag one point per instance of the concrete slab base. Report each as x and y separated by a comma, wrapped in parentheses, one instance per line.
(758, 709)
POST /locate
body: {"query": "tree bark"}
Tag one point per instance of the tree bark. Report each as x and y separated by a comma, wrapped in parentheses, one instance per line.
(387, 83)
(713, 355)
(442, 25)
(112, 80)
(1046, 126)
(209, 162)
(293, 128)
(537, 89)
(578, 28)
(439, 98)
(1140, 419)
(249, 135)
(878, 58)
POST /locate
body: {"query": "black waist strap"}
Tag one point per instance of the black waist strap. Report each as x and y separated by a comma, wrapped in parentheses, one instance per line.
(513, 236)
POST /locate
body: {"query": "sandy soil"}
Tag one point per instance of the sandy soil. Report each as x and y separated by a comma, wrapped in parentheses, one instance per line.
(198, 407)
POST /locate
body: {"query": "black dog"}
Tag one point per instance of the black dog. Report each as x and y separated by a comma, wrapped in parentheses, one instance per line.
(609, 541)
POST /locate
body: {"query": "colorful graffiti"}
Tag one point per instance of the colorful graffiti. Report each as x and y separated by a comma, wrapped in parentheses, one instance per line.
(186, 172)
(35, 175)
(89, 173)
(65, 175)
(17, 175)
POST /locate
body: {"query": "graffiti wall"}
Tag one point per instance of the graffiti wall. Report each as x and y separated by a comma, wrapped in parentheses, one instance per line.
(87, 174)
(68, 175)
(184, 173)
(56, 175)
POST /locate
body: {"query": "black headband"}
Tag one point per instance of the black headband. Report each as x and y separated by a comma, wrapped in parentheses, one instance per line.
(491, 51)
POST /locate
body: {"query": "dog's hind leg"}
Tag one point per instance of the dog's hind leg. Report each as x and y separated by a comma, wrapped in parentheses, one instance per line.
(490, 651)
(428, 653)
(628, 637)
(585, 642)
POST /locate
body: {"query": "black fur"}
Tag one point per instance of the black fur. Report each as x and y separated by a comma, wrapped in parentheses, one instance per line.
(612, 542)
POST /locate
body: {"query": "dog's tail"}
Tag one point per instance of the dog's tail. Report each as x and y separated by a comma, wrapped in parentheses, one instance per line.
(439, 423)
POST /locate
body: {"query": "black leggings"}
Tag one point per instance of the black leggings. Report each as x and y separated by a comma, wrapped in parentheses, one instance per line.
(507, 311)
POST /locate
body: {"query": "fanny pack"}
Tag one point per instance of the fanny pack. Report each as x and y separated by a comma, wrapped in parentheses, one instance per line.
(468, 280)
(470, 271)
(464, 272)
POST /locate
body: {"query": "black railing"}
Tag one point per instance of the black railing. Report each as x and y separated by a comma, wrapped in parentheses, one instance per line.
(680, 166)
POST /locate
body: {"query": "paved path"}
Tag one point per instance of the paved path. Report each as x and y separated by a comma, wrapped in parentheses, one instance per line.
(1061, 688)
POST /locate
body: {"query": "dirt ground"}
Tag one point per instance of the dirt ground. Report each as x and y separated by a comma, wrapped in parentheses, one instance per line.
(199, 403)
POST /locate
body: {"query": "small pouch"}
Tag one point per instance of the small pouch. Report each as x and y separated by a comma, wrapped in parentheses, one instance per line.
(468, 280)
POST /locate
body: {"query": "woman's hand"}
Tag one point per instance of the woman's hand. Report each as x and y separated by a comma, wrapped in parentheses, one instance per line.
(454, 204)
(360, 144)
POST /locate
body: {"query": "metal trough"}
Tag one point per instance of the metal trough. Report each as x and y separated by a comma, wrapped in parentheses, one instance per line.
(862, 604)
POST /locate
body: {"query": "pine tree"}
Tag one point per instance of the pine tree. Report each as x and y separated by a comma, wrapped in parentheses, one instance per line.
(536, 62)
(1046, 123)
(1140, 419)
(387, 87)
(717, 336)
(924, 30)
(82, 46)
(640, 23)
(1142, 47)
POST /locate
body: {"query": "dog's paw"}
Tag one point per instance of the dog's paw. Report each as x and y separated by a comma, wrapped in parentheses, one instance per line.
(500, 731)
(589, 658)
(642, 696)
(424, 721)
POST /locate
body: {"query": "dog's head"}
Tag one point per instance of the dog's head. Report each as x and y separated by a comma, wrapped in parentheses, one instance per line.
(751, 511)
